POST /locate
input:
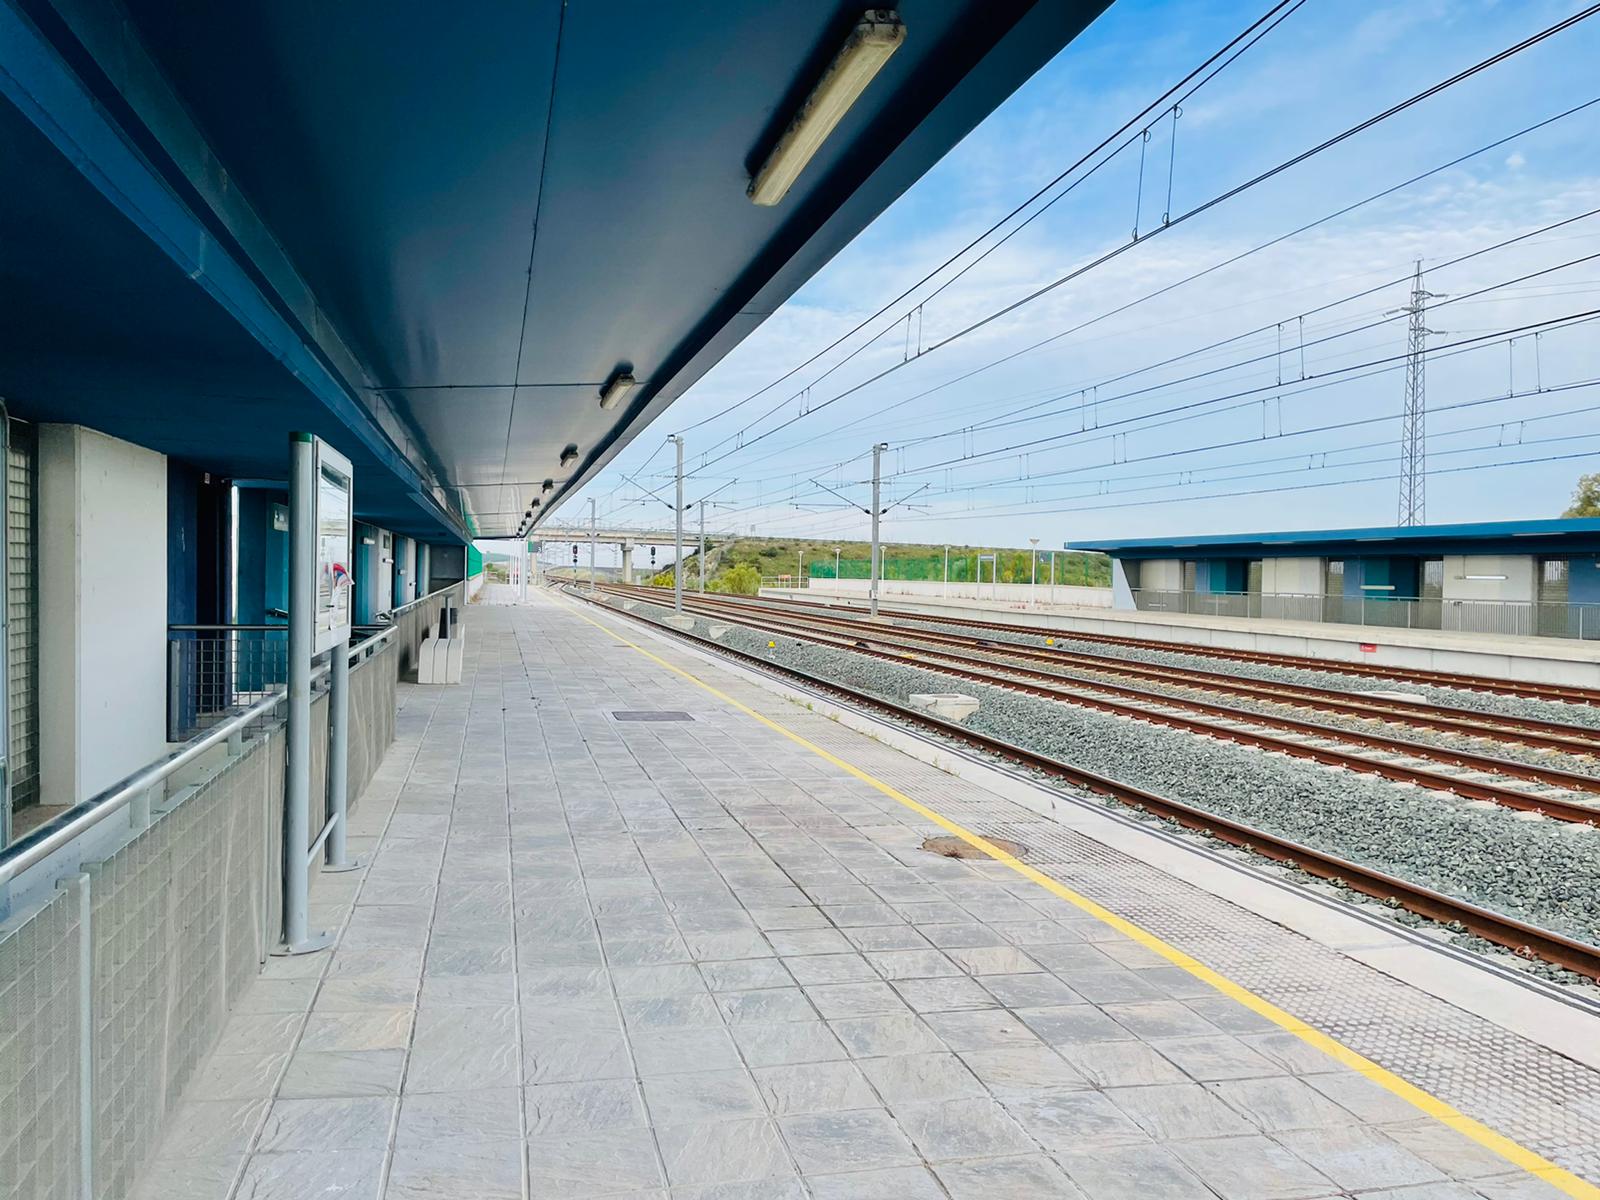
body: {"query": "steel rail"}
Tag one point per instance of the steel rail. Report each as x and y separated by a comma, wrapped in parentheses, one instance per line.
(1530, 731)
(994, 675)
(1564, 693)
(1520, 937)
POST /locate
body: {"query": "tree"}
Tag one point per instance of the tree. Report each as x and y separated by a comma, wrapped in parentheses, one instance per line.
(1585, 497)
(741, 580)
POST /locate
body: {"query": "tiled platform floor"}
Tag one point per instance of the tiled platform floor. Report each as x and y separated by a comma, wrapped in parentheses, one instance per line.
(594, 957)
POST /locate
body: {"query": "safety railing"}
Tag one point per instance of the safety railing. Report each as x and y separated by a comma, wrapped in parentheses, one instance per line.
(1508, 618)
(131, 924)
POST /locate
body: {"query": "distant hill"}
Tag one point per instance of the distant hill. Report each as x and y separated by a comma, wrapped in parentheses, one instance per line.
(901, 560)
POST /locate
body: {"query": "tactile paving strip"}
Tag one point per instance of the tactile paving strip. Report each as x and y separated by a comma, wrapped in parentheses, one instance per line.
(1546, 1102)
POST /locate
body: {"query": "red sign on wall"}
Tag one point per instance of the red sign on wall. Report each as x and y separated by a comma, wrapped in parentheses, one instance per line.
(1369, 647)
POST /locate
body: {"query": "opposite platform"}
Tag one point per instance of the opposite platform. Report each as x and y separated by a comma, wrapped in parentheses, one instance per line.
(635, 926)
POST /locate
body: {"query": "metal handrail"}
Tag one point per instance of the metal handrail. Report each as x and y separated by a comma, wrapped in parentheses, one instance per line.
(54, 835)
(30, 851)
(410, 604)
(227, 629)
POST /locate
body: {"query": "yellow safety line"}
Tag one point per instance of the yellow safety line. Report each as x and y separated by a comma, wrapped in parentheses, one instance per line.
(1512, 1152)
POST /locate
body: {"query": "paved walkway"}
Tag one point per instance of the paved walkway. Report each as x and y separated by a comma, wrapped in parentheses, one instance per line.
(602, 956)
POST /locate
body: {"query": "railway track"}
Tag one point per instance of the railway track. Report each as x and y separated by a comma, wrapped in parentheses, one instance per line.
(1520, 937)
(1562, 693)
(1499, 727)
(1326, 745)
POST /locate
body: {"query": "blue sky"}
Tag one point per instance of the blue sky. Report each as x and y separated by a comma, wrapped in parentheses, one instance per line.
(1113, 451)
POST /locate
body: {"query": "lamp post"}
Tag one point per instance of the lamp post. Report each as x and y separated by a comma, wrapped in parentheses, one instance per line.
(800, 571)
(1033, 581)
(947, 572)
(836, 588)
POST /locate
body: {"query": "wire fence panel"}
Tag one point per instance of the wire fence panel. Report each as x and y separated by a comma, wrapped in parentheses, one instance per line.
(1504, 618)
(213, 672)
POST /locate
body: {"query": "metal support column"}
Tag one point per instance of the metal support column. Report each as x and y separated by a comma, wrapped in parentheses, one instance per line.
(592, 527)
(677, 562)
(424, 570)
(297, 936)
(877, 511)
(336, 848)
(79, 885)
(701, 557)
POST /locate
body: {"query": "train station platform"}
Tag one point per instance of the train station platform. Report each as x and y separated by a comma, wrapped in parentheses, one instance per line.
(1499, 656)
(634, 925)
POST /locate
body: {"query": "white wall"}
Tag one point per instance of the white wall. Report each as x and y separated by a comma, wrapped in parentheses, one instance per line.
(103, 610)
(1161, 575)
(1520, 582)
(1291, 576)
(1014, 593)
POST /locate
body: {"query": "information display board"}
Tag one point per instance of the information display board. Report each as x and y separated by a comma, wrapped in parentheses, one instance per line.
(335, 526)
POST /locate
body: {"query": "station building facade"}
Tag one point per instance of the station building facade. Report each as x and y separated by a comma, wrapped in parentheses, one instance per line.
(1513, 578)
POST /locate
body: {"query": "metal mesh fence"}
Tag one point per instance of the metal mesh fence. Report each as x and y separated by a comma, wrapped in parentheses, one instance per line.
(182, 915)
(177, 934)
(39, 1052)
(212, 674)
(1012, 566)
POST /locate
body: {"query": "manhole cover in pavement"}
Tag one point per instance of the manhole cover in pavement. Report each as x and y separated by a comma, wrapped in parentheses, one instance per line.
(954, 847)
(651, 715)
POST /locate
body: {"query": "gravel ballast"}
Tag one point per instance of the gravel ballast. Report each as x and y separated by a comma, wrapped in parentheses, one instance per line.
(1537, 870)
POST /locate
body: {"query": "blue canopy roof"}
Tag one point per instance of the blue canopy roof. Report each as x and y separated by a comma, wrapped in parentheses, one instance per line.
(1562, 535)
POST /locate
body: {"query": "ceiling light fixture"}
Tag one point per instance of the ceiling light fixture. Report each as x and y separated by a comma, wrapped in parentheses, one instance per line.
(619, 385)
(568, 455)
(874, 39)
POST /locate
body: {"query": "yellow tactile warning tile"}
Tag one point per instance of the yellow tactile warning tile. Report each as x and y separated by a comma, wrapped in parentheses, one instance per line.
(1513, 1152)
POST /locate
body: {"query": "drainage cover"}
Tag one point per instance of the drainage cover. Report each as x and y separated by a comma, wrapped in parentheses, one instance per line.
(647, 714)
(954, 847)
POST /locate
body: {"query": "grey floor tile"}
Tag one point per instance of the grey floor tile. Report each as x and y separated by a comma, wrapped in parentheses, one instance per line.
(1119, 1064)
(950, 994)
(333, 1174)
(1037, 989)
(676, 1051)
(464, 1049)
(1282, 1103)
(886, 1183)
(1026, 1177)
(369, 1029)
(1135, 1172)
(344, 1123)
(1073, 1120)
(575, 1056)
(977, 1127)
(490, 1115)
(824, 1143)
(1252, 1168)
(829, 968)
(1214, 1057)
(855, 999)
(909, 1078)
(814, 1088)
(187, 1179)
(450, 1171)
(702, 1096)
(875, 1037)
(212, 1128)
(1021, 1069)
(236, 1077)
(1161, 1019)
(1359, 1159)
(589, 1106)
(314, 1073)
(746, 974)
(1073, 1024)
(985, 1029)
(723, 1152)
(766, 1004)
(785, 1042)
(1179, 1111)
(670, 1012)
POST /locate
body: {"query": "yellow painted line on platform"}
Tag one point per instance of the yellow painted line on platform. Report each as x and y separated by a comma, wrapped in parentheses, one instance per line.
(1513, 1152)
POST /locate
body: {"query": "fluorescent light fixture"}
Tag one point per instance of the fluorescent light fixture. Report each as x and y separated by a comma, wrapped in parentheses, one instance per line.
(618, 386)
(1483, 577)
(548, 485)
(874, 39)
(568, 455)
(1377, 587)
